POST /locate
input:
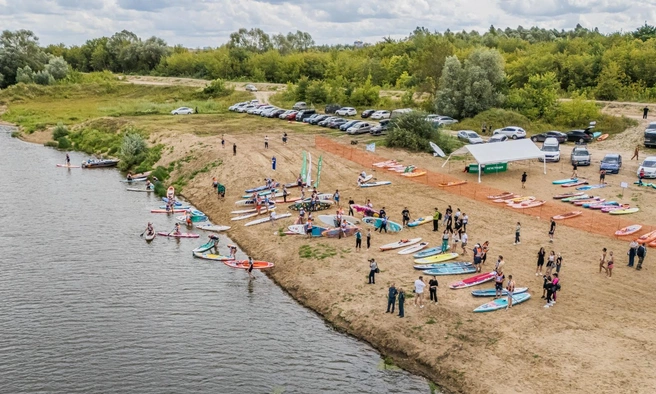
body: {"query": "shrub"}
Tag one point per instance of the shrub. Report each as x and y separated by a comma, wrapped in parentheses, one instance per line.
(161, 173)
(59, 131)
(63, 143)
(133, 149)
(217, 88)
(43, 77)
(413, 132)
(52, 144)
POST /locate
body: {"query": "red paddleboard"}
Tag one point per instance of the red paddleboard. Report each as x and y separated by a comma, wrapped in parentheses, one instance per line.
(634, 228)
(567, 215)
(647, 238)
(577, 183)
(258, 265)
(473, 281)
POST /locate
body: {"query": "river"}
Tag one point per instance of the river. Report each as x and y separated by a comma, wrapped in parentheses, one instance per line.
(87, 306)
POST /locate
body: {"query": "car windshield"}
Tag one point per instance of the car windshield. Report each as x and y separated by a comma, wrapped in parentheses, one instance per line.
(472, 135)
(550, 148)
(649, 164)
(610, 160)
(581, 152)
(652, 126)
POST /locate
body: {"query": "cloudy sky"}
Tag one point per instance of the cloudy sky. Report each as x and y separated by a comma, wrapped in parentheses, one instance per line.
(199, 23)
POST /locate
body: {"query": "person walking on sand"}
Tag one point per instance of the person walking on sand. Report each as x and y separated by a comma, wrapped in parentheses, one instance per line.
(405, 214)
(373, 269)
(368, 238)
(284, 138)
(518, 229)
(552, 229)
(465, 220)
(510, 289)
(419, 291)
(401, 302)
(610, 264)
(636, 152)
(645, 111)
(436, 219)
(641, 252)
(551, 261)
(336, 197)
(266, 142)
(602, 177)
(432, 289)
(602, 261)
(445, 241)
(575, 173)
(541, 253)
(463, 242)
(222, 142)
(499, 278)
(234, 149)
(633, 248)
(350, 203)
(524, 180)
(383, 225)
(391, 298)
(358, 240)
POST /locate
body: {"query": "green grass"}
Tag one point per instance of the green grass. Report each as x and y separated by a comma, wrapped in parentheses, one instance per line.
(318, 252)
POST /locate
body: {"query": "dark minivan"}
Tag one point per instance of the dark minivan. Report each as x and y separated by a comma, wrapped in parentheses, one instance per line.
(306, 113)
(650, 135)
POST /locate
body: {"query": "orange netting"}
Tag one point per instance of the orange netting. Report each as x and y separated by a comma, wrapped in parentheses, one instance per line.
(592, 221)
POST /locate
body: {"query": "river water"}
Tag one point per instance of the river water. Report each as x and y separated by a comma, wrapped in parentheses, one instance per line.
(87, 306)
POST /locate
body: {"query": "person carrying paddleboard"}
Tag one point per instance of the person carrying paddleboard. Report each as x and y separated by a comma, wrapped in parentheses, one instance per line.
(373, 269)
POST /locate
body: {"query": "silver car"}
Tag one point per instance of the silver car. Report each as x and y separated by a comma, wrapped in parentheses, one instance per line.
(360, 128)
(513, 132)
(470, 136)
(182, 111)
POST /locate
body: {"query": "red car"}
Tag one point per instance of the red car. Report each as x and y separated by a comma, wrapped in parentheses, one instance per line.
(292, 116)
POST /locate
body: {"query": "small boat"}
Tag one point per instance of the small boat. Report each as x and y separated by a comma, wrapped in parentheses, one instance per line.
(211, 256)
(493, 292)
(400, 244)
(628, 230)
(258, 265)
(212, 227)
(205, 247)
(100, 163)
(567, 215)
(149, 237)
(181, 235)
(170, 193)
(502, 303)
(473, 281)
(413, 248)
(602, 137)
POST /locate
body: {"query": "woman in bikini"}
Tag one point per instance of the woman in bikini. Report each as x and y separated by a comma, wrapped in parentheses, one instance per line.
(609, 265)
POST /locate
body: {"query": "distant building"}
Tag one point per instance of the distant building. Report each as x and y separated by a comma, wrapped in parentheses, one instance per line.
(358, 44)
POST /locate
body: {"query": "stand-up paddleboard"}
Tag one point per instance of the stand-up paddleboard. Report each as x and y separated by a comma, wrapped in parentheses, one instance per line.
(599, 205)
(602, 137)
(413, 248)
(258, 265)
(436, 149)
(384, 163)
(647, 238)
(492, 292)
(374, 184)
(67, 166)
(609, 208)
(472, 281)
(624, 211)
(182, 235)
(528, 204)
(567, 195)
(331, 220)
(177, 207)
(577, 183)
(376, 222)
(502, 303)
(177, 203)
(506, 198)
(268, 219)
(634, 228)
(502, 195)
(448, 184)
(424, 267)
(437, 258)
(420, 221)
(337, 232)
(580, 203)
(564, 181)
(428, 252)
(300, 229)
(176, 210)
(212, 227)
(366, 178)
(450, 269)
(132, 189)
(575, 198)
(211, 256)
(205, 247)
(590, 187)
(253, 214)
(413, 174)
(267, 193)
(400, 244)
(567, 215)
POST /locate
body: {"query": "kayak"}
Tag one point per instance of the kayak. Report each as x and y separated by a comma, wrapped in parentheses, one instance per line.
(181, 235)
(428, 252)
(567, 195)
(258, 265)
(210, 256)
(577, 183)
(564, 181)
(602, 137)
(67, 166)
(131, 189)
(149, 237)
(624, 211)
(212, 227)
(175, 210)
(334, 232)
(493, 292)
(331, 220)
(268, 219)
(300, 229)
(420, 221)
(374, 184)
(473, 281)
(400, 244)
(452, 183)
(253, 214)
(376, 222)
(502, 303)
(205, 247)
(451, 269)
(413, 248)
(634, 228)
(589, 187)
(647, 238)
(567, 215)
(437, 258)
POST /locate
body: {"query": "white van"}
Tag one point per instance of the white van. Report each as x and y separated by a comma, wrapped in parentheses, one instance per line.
(551, 149)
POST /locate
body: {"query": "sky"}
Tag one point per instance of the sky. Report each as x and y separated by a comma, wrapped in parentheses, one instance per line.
(203, 23)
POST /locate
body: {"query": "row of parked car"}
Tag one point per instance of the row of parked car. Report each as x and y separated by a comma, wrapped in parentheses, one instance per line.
(514, 132)
(310, 116)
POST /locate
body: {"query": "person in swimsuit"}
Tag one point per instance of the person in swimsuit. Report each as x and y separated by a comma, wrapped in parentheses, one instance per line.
(551, 261)
(68, 160)
(552, 229)
(177, 229)
(368, 238)
(609, 265)
(486, 248)
(250, 267)
(602, 261)
(541, 254)
(602, 177)
(499, 278)
(510, 288)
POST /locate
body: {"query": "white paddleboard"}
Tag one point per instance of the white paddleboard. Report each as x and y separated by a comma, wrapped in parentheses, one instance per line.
(268, 219)
(437, 149)
(212, 227)
(413, 248)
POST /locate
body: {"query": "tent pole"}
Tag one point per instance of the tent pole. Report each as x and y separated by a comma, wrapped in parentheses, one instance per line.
(479, 172)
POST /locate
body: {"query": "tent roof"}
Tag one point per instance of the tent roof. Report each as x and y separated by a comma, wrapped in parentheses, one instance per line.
(505, 151)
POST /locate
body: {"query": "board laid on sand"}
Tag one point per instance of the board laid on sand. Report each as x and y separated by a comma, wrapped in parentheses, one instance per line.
(266, 193)
(331, 220)
(300, 229)
(400, 244)
(211, 256)
(590, 187)
(413, 248)
(575, 198)
(602, 137)
(251, 210)
(384, 163)
(133, 189)
(320, 206)
(507, 198)
(502, 196)
(413, 174)
(252, 202)
(528, 204)
(567, 215)
(492, 292)
(212, 227)
(374, 184)
(519, 199)
(376, 222)
(564, 181)
(472, 281)
(567, 195)
(268, 219)
(437, 258)
(625, 211)
(258, 265)
(260, 188)
(628, 230)
(364, 210)
(253, 214)
(205, 247)
(599, 205)
(428, 252)
(502, 303)
(366, 178)
(647, 238)
(448, 184)
(181, 235)
(420, 221)
(450, 269)
(436, 149)
(67, 166)
(175, 210)
(424, 267)
(587, 201)
(577, 183)
(610, 208)
(335, 232)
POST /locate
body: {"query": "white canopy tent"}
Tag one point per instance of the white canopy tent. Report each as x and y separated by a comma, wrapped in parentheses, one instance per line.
(503, 152)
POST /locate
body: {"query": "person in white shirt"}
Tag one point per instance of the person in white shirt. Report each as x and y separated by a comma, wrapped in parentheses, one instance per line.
(419, 291)
(463, 242)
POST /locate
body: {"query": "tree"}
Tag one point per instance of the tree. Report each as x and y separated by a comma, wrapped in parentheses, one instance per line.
(57, 67)
(133, 149)
(645, 32)
(253, 40)
(43, 77)
(539, 95)
(17, 50)
(609, 83)
(24, 75)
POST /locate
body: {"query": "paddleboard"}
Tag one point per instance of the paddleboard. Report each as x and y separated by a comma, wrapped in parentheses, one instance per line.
(502, 303)
(575, 198)
(448, 184)
(567, 215)
(250, 210)
(300, 229)
(450, 269)
(258, 265)
(624, 211)
(428, 252)
(420, 221)
(374, 184)
(602, 137)
(142, 179)
(268, 219)
(330, 220)
(577, 183)
(492, 292)
(131, 189)
(472, 281)
(647, 238)
(438, 152)
(182, 235)
(413, 248)
(614, 208)
(413, 174)
(634, 228)
(437, 258)
(210, 256)
(204, 247)
(366, 179)
(384, 163)
(335, 232)
(67, 166)
(501, 196)
(212, 227)
(250, 215)
(180, 207)
(177, 203)
(423, 267)
(589, 187)
(567, 195)
(528, 204)
(563, 181)
(400, 244)
(170, 192)
(175, 210)
(376, 222)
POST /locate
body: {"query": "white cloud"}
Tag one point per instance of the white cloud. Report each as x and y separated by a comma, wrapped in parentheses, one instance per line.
(209, 22)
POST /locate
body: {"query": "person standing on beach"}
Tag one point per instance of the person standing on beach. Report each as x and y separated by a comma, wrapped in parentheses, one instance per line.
(610, 264)
(463, 242)
(406, 216)
(436, 219)
(401, 301)
(555, 282)
(383, 225)
(284, 138)
(645, 111)
(602, 261)
(234, 149)
(358, 240)
(602, 177)
(636, 152)
(368, 238)
(266, 142)
(336, 197)
(478, 256)
(548, 287)
(445, 241)
(641, 252)
(432, 288)
(559, 263)
(222, 142)
(552, 229)
(391, 298)
(575, 173)
(633, 248)
(518, 229)
(373, 268)
(465, 220)
(455, 238)
(419, 291)
(351, 202)
(551, 261)
(449, 224)
(447, 214)
(524, 180)
(499, 278)
(541, 253)
(510, 288)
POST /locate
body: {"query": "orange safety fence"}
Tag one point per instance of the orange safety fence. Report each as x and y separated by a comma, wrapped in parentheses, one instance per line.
(593, 221)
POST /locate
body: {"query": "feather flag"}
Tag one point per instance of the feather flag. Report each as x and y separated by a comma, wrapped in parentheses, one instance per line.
(319, 165)
(371, 147)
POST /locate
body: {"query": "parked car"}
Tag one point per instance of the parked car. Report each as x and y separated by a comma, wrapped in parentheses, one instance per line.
(349, 124)
(551, 150)
(336, 123)
(432, 117)
(382, 114)
(318, 118)
(327, 120)
(381, 128)
(650, 135)
(360, 128)
(269, 112)
(470, 136)
(446, 120)
(309, 120)
(300, 105)
(276, 113)
(559, 135)
(331, 108)
(182, 111)
(346, 111)
(292, 115)
(259, 110)
(250, 88)
(245, 108)
(498, 138)
(306, 113)
(579, 136)
(581, 156)
(367, 113)
(237, 105)
(399, 112)
(612, 163)
(649, 166)
(285, 114)
(513, 132)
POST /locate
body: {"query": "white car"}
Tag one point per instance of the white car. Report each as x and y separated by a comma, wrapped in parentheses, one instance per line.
(346, 111)
(381, 115)
(182, 111)
(246, 108)
(235, 106)
(649, 166)
(498, 138)
(444, 120)
(433, 118)
(261, 109)
(513, 132)
(250, 88)
(470, 136)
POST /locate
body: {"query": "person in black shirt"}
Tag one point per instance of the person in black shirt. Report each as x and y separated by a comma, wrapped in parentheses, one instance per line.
(552, 230)
(406, 216)
(381, 213)
(351, 202)
(432, 287)
(234, 149)
(401, 301)
(391, 298)
(524, 180)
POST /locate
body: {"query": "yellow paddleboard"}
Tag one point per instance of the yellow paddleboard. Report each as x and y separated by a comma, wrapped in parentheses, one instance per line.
(438, 258)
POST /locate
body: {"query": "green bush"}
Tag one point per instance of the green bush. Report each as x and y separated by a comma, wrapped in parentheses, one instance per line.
(217, 88)
(496, 118)
(63, 143)
(59, 131)
(161, 173)
(413, 132)
(15, 134)
(134, 149)
(52, 144)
